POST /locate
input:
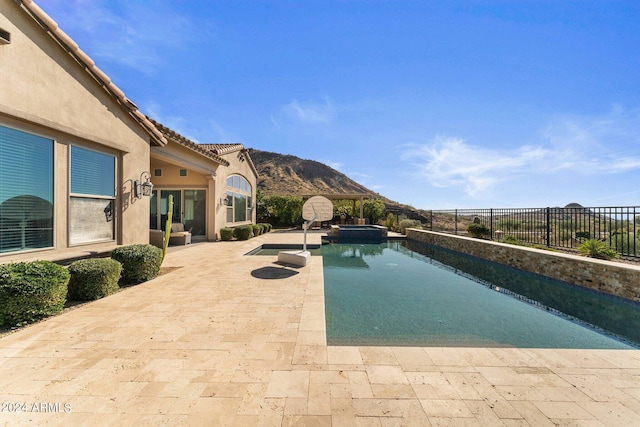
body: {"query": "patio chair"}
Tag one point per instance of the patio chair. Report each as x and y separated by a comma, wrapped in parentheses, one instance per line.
(156, 238)
(179, 236)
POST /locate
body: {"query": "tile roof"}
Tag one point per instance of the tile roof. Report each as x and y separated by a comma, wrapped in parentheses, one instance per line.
(51, 27)
(224, 148)
(186, 142)
(158, 132)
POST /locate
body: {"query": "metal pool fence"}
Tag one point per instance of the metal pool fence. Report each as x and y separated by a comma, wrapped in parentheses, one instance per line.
(551, 227)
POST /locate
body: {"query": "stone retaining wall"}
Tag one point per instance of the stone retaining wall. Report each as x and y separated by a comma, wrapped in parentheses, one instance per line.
(615, 278)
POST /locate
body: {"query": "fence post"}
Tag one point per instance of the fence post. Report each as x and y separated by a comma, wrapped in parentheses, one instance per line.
(455, 222)
(491, 222)
(431, 219)
(548, 227)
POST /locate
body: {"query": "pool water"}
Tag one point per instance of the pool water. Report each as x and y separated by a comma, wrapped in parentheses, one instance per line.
(387, 294)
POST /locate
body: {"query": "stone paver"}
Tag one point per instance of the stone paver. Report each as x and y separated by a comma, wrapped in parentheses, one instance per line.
(210, 343)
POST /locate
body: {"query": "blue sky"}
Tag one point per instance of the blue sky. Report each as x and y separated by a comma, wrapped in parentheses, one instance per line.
(436, 104)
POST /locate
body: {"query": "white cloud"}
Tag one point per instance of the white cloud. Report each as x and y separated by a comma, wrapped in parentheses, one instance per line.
(310, 112)
(122, 32)
(605, 145)
(449, 161)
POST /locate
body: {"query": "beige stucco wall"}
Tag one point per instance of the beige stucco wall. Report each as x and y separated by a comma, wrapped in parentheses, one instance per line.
(44, 91)
(615, 278)
(238, 165)
(202, 173)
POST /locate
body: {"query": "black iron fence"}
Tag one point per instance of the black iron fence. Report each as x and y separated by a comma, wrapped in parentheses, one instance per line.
(551, 227)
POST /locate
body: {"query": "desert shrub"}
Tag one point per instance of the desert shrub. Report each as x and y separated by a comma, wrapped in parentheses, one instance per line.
(257, 230)
(478, 230)
(408, 223)
(595, 248)
(512, 240)
(243, 232)
(226, 233)
(509, 224)
(558, 236)
(30, 291)
(390, 222)
(93, 279)
(139, 262)
(566, 224)
(583, 235)
(625, 243)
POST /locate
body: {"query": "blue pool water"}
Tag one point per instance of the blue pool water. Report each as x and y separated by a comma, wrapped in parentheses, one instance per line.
(387, 294)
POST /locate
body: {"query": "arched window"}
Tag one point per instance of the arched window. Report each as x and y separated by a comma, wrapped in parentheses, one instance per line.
(238, 199)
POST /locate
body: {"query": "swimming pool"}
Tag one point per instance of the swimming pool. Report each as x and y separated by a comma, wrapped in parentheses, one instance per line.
(387, 294)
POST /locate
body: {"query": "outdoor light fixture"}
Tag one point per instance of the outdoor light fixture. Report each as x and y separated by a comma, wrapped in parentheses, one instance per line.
(143, 188)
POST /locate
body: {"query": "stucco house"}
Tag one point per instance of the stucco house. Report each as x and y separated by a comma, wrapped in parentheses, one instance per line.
(213, 185)
(75, 153)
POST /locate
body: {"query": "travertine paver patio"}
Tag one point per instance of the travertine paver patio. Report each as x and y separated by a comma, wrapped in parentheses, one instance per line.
(213, 344)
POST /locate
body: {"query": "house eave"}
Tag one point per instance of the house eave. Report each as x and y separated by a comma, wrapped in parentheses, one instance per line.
(61, 38)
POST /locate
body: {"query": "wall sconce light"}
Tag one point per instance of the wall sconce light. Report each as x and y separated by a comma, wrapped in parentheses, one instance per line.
(224, 201)
(143, 188)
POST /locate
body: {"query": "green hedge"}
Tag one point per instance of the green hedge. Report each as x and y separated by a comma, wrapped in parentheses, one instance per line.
(226, 233)
(139, 262)
(93, 279)
(265, 227)
(257, 230)
(30, 291)
(243, 232)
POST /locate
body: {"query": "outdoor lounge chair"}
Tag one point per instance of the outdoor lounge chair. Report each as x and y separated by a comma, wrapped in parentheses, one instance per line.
(156, 238)
(179, 236)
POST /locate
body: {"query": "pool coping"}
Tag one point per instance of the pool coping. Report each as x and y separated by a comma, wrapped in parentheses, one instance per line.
(210, 344)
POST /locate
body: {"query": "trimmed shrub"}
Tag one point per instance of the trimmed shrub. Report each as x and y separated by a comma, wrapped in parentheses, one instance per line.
(257, 230)
(30, 291)
(264, 228)
(243, 232)
(93, 279)
(226, 233)
(267, 227)
(478, 230)
(139, 262)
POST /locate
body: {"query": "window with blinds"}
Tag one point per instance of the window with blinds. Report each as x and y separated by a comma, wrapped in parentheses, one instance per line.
(26, 191)
(92, 198)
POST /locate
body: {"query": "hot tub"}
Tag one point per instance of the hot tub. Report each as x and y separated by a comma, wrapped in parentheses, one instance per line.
(358, 233)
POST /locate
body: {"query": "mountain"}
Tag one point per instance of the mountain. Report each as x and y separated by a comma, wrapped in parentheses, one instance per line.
(292, 176)
(288, 175)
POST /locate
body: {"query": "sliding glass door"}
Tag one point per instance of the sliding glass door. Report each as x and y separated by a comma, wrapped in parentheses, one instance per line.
(189, 207)
(195, 211)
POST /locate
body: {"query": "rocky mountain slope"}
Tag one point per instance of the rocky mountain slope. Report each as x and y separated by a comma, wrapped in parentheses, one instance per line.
(288, 175)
